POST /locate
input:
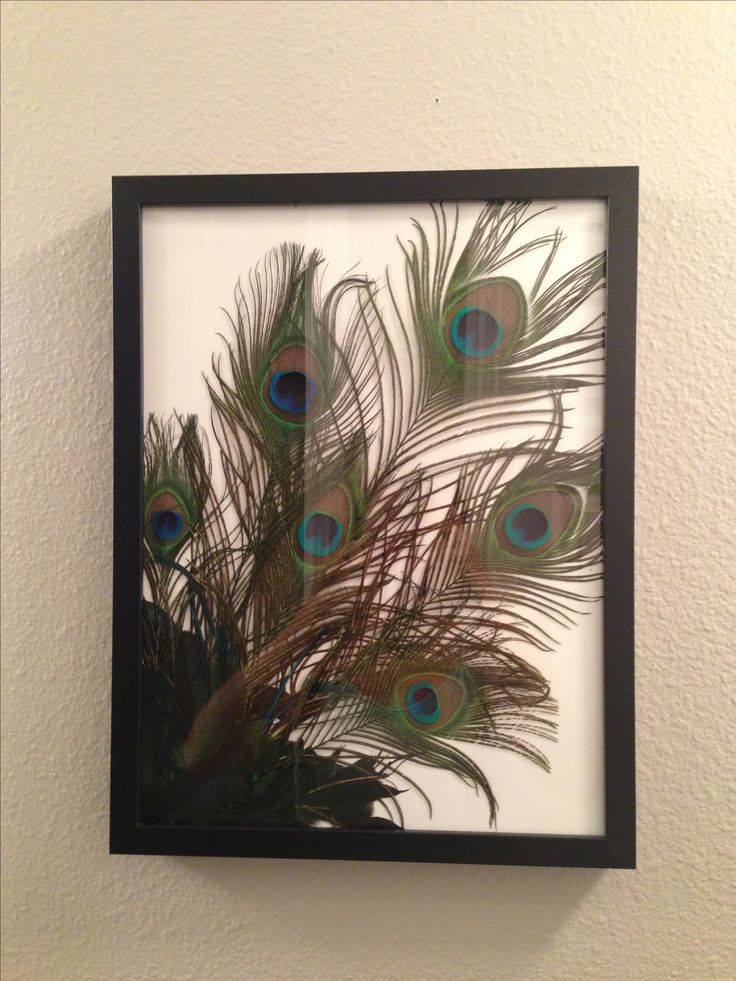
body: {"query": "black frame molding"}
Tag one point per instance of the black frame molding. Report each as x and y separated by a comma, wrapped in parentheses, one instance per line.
(619, 187)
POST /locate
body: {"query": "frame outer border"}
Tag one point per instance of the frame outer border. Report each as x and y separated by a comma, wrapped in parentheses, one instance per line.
(617, 847)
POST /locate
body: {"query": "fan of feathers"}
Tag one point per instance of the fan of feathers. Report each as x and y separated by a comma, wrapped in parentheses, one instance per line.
(338, 581)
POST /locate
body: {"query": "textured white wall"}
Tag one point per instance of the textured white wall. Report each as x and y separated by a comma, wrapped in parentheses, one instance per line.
(94, 89)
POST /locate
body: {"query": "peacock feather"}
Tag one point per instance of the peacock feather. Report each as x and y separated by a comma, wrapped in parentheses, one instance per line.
(397, 510)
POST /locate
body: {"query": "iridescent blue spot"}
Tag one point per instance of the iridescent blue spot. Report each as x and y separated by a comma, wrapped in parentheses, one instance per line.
(292, 391)
(319, 533)
(167, 525)
(475, 332)
(526, 526)
(423, 703)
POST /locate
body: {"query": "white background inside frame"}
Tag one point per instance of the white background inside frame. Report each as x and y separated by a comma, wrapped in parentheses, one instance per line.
(192, 258)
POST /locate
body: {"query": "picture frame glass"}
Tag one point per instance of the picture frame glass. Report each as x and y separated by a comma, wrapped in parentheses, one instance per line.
(372, 543)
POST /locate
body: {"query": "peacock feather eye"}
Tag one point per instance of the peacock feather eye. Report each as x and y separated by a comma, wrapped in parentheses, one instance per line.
(293, 384)
(324, 528)
(484, 324)
(475, 333)
(431, 700)
(423, 703)
(320, 533)
(167, 524)
(532, 524)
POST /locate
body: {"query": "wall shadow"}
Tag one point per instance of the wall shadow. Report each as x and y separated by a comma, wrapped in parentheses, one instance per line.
(356, 911)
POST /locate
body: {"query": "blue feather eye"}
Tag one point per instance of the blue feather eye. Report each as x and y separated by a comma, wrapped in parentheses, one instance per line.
(292, 392)
(167, 525)
(475, 332)
(167, 522)
(319, 534)
(534, 523)
(431, 700)
(325, 528)
(292, 387)
(485, 324)
(526, 526)
(423, 703)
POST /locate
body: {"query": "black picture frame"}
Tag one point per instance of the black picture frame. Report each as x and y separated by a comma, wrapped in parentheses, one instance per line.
(618, 186)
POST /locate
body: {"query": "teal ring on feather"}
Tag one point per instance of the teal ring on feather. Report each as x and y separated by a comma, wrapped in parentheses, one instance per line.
(542, 518)
(292, 387)
(325, 527)
(319, 534)
(527, 526)
(169, 517)
(484, 325)
(293, 392)
(423, 703)
(475, 333)
(431, 700)
(167, 525)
